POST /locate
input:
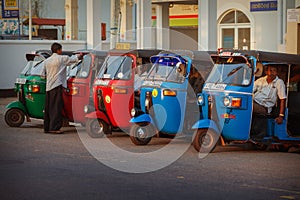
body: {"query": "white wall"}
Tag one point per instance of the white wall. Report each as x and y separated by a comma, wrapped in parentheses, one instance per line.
(264, 24)
(266, 34)
(13, 59)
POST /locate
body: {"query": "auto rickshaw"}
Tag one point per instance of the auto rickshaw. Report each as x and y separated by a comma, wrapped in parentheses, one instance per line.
(168, 95)
(79, 85)
(227, 100)
(30, 88)
(114, 91)
(31, 91)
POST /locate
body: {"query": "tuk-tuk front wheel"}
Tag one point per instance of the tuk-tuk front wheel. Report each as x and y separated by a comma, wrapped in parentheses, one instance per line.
(205, 140)
(141, 134)
(96, 128)
(14, 117)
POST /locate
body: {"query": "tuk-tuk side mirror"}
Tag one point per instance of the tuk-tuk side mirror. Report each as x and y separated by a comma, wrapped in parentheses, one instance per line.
(259, 70)
(181, 69)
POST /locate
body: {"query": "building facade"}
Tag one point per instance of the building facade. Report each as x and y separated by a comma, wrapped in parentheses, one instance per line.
(238, 24)
(162, 24)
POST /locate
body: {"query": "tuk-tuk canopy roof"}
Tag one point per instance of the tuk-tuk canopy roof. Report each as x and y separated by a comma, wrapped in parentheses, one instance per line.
(264, 56)
(100, 53)
(144, 53)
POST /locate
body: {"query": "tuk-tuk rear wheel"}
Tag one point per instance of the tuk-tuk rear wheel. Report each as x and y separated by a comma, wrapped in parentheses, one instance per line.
(96, 128)
(141, 134)
(14, 117)
(205, 140)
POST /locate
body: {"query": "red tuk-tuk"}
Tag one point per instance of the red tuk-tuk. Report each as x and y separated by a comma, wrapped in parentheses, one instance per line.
(79, 84)
(114, 91)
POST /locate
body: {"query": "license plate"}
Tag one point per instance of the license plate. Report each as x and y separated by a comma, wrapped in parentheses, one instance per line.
(21, 81)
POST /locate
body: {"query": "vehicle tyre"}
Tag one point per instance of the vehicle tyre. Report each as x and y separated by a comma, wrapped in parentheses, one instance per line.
(141, 134)
(205, 140)
(14, 117)
(96, 128)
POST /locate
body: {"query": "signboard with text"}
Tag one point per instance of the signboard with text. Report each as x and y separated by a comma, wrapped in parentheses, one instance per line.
(293, 15)
(10, 9)
(263, 6)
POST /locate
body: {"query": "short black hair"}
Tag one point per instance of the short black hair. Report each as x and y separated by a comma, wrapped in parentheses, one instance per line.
(272, 66)
(55, 47)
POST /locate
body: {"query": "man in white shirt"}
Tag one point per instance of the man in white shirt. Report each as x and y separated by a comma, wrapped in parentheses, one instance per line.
(266, 91)
(55, 67)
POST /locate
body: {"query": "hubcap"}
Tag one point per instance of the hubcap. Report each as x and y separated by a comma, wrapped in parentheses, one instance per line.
(206, 140)
(141, 133)
(97, 127)
(15, 117)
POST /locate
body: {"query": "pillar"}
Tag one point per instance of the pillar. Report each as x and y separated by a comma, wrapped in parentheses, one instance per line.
(93, 25)
(71, 9)
(126, 20)
(162, 26)
(144, 25)
(207, 25)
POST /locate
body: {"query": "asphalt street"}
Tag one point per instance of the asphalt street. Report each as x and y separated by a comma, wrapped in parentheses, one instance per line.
(35, 165)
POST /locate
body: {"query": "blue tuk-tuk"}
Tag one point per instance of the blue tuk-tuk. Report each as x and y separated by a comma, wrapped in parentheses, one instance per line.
(227, 101)
(168, 95)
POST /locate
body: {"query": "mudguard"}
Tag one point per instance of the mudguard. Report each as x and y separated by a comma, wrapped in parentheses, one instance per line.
(142, 118)
(206, 123)
(17, 104)
(98, 115)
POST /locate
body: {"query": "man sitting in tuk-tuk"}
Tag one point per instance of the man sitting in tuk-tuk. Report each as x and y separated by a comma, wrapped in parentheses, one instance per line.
(266, 90)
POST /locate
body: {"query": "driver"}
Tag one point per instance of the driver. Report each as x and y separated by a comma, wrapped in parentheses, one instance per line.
(266, 90)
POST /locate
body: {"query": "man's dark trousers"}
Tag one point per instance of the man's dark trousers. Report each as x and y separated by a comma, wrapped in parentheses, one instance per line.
(53, 109)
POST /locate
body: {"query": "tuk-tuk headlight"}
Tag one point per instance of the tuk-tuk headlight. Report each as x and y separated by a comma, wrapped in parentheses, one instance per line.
(200, 100)
(133, 112)
(34, 88)
(233, 102)
(87, 109)
(226, 101)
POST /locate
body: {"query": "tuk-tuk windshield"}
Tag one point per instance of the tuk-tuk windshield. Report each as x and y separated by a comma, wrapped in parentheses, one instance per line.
(38, 70)
(80, 69)
(73, 69)
(116, 67)
(166, 69)
(27, 70)
(85, 66)
(231, 74)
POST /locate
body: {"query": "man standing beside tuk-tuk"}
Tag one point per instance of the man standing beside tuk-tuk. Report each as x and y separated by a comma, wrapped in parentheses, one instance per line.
(55, 67)
(266, 90)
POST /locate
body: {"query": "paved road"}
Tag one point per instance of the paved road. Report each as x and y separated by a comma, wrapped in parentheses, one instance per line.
(34, 165)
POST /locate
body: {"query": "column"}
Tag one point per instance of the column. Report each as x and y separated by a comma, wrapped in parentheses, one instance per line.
(126, 20)
(207, 25)
(115, 22)
(71, 9)
(144, 25)
(93, 25)
(162, 26)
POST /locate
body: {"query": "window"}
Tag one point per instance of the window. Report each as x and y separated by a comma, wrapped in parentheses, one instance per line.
(234, 30)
